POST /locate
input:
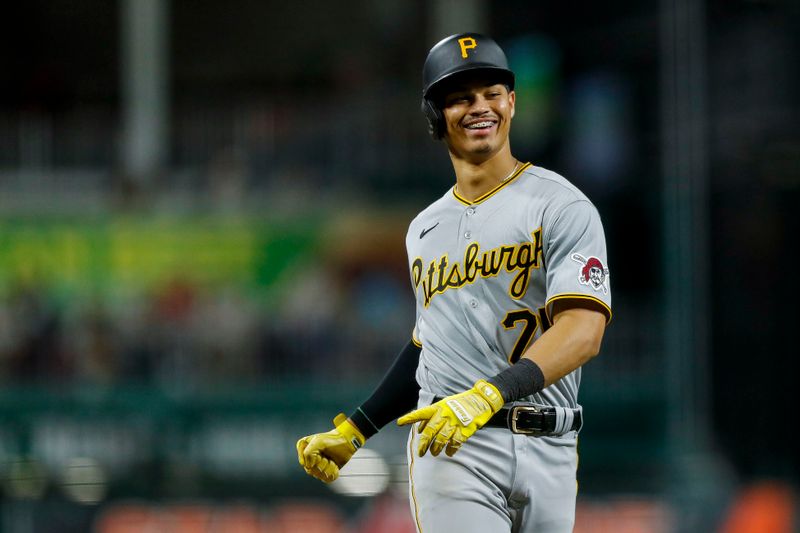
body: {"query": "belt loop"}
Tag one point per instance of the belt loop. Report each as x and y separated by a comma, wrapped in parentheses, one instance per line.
(564, 419)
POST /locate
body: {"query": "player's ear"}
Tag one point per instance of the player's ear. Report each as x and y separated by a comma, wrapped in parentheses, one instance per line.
(512, 97)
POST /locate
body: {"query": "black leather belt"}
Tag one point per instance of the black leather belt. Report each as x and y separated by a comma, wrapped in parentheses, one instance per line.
(527, 419)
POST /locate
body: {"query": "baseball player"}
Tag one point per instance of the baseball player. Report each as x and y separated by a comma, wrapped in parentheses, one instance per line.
(512, 297)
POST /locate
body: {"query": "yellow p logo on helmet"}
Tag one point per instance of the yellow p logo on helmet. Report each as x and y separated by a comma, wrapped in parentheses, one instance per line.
(466, 43)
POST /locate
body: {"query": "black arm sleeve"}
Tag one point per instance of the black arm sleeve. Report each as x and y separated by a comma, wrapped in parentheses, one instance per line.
(396, 394)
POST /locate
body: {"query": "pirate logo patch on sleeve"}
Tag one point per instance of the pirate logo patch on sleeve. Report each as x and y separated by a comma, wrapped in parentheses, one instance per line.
(592, 272)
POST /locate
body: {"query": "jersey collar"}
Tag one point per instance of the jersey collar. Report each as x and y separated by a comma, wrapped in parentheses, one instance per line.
(485, 196)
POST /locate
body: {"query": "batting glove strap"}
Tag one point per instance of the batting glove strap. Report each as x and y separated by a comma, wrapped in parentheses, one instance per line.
(349, 431)
(489, 393)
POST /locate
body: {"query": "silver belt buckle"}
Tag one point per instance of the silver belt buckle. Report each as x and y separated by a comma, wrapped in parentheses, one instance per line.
(515, 411)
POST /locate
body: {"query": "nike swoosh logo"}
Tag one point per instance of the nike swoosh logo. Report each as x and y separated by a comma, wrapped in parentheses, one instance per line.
(425, 231)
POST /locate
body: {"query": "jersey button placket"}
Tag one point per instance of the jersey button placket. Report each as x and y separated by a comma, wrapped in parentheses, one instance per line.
(469, 213)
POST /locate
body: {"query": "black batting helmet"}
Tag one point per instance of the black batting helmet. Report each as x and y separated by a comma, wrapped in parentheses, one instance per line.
(453, 55)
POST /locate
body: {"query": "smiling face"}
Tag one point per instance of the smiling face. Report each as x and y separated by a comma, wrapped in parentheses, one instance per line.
(478, 116)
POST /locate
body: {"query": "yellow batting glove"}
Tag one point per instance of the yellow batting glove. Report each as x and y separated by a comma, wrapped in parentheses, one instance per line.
(323, 454)
(448, 423)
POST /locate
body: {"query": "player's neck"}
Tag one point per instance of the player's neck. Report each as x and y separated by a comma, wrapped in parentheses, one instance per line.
(476, 178)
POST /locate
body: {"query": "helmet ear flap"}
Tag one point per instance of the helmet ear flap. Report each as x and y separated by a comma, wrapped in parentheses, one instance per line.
(435, 118)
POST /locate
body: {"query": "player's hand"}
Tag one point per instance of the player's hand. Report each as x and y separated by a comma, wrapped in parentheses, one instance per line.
(448, 423)
(323, 454)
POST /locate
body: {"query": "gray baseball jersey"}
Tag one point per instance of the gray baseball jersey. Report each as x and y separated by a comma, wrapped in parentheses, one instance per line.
(486, 274)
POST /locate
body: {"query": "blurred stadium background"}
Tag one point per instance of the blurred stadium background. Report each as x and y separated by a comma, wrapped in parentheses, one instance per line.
(202, 214)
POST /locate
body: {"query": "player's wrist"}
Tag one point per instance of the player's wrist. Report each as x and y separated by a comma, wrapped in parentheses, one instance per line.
(521, 379)
(490, 393)
(349, 430)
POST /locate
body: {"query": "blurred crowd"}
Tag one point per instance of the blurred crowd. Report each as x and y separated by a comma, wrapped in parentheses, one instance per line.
(184, 335)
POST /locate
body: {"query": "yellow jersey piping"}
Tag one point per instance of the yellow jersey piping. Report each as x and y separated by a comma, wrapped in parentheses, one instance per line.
(411, 479)
(487, 195)
(578, 296)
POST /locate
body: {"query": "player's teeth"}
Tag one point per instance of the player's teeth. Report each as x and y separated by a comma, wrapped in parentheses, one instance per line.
(479, 125)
